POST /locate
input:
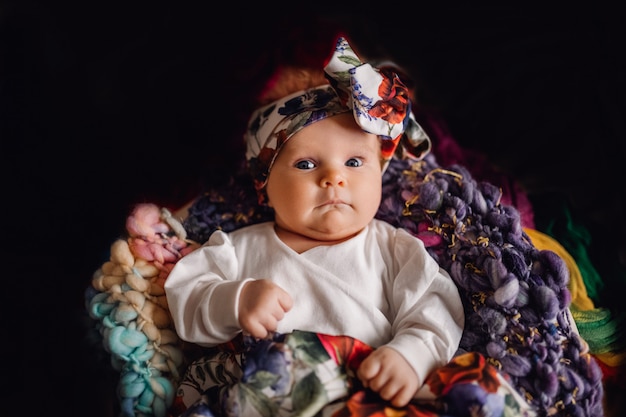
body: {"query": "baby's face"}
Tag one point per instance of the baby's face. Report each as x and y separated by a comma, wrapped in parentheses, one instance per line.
(326, 182)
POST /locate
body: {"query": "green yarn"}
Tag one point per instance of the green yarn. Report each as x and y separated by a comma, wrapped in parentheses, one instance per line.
(600, 329)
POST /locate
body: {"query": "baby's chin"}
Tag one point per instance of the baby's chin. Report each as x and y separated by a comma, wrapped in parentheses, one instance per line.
(331, 232)
(338, 222)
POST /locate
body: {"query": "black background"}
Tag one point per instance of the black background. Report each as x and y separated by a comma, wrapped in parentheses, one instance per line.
(105, 105)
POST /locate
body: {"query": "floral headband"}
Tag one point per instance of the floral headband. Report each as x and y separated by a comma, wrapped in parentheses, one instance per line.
(378, 99)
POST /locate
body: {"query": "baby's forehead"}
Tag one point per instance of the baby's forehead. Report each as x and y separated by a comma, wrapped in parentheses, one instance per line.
(333, 132)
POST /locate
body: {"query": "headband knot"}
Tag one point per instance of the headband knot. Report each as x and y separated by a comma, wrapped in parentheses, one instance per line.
(377, 98)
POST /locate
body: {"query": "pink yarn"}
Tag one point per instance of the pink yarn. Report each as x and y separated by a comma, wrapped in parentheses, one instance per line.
(151, 239)
(145, 220)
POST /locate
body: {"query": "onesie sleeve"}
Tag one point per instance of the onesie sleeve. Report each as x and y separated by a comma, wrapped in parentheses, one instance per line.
(203, 290)
(429, 315)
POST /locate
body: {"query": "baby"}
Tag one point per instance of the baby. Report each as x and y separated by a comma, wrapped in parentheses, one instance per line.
(325, 263)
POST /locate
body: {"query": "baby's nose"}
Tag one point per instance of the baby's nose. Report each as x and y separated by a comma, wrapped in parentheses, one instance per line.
(332, 177)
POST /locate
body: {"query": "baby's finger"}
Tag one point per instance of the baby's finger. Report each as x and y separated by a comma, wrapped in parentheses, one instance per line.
(368, 369)
(285, 301)
(389, 390)
(278, 314)
(401, 397)
(270, 322)
(257, 330)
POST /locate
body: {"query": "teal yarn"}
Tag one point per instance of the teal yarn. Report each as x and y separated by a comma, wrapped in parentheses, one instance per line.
(144, 393)
(136, 332)
(143, 390)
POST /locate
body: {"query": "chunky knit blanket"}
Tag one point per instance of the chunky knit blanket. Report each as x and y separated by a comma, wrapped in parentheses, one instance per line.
(516, 297)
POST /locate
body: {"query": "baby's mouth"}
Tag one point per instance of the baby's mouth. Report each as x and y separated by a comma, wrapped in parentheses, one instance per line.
(334, 202)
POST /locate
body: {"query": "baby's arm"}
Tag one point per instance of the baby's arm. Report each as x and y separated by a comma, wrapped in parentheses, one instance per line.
(386, 372)
(262, 304)
(208, 302)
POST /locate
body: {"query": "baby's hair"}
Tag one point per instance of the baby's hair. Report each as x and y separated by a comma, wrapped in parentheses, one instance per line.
(289, 79)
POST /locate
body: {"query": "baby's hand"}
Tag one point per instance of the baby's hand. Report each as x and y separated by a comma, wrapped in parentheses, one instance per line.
(262, 304)
(386, 372)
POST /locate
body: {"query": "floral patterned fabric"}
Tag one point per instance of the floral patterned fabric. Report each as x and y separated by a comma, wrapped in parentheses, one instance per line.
(312, 374)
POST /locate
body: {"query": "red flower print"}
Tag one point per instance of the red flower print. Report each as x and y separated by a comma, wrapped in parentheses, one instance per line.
(466, 368)
(346, 351)
(395, 100)
(364, 404)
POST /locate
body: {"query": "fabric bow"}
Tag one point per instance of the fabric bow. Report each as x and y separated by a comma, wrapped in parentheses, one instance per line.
(378, 99)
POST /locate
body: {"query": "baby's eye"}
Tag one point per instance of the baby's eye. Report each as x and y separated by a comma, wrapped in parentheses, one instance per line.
(354, 162)
(306, 164)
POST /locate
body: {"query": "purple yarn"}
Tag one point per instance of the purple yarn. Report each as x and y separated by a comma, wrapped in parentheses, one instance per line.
(515, 262)
(573, 382)
(555, 265)
(496, 349)
(546, 381)
(490, 194)
(506, 294)
(565, 298)
(522, 295)
(518, 366)
(430, 194)
(495, 271)
(227, 208)
(546, 303)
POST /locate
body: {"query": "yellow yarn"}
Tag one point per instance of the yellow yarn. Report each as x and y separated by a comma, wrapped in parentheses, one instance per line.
(612, 359)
